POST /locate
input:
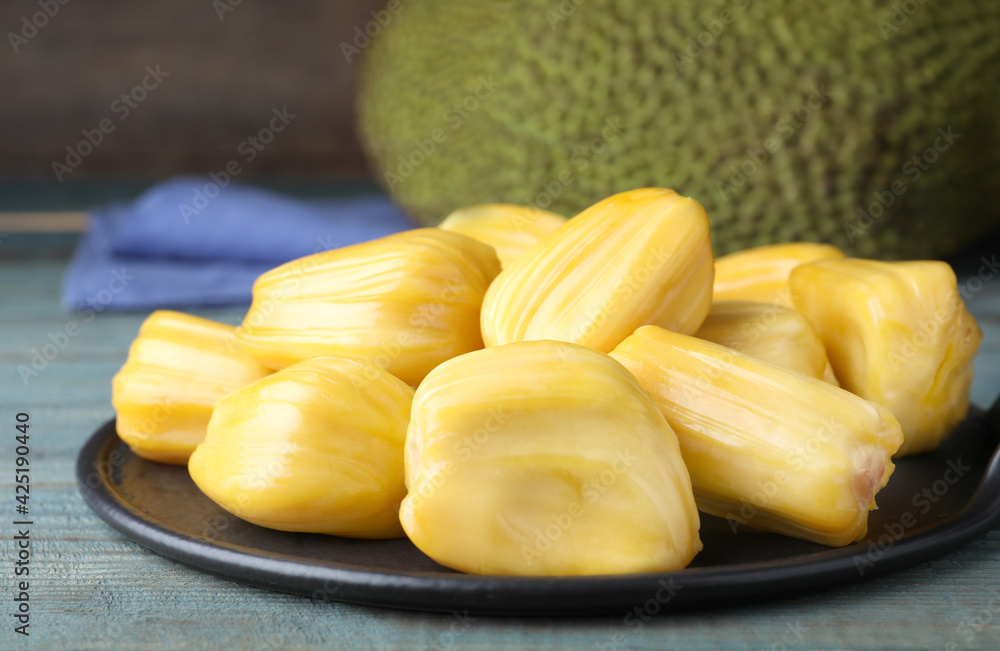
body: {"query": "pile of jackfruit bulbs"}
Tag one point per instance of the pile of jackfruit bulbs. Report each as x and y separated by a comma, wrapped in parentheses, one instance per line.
(582, 389)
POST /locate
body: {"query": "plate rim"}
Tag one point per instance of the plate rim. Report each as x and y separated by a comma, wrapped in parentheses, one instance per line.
(506, 595)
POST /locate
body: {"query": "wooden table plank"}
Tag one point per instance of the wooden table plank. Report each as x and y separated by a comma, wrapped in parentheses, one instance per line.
(93, 589)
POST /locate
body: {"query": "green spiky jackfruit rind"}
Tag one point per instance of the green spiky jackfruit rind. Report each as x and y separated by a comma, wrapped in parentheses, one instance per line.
(788, 120)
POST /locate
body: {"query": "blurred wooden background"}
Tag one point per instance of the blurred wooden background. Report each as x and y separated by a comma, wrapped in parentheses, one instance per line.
(230, 63)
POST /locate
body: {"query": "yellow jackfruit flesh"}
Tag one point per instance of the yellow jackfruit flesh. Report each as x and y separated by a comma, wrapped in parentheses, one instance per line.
(766, 446)
(510, 229)
(635, 258)
(774, 333)
(544, 458)
(406, 302)
(316, 447)
(897, 333)
(761, 274)
(177, 368)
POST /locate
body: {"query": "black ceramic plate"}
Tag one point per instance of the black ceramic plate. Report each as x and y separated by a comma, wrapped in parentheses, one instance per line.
(933, 503)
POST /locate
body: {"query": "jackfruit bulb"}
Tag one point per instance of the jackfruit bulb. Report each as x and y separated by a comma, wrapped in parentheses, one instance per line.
(545, 458)
(855, 123)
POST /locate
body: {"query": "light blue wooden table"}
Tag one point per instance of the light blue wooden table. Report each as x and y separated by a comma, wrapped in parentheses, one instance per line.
(93, 589)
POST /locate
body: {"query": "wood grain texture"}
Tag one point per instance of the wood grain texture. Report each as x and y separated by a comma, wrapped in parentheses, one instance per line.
(93, 589)
(226, 71)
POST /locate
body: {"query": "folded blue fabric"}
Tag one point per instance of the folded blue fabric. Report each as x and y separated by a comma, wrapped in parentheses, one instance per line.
(183, 243)
(192, 218)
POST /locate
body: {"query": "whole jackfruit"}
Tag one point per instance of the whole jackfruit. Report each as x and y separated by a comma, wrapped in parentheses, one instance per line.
(853, 123)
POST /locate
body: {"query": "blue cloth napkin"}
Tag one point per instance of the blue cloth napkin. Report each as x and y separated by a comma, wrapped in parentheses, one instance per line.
(186, 242)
